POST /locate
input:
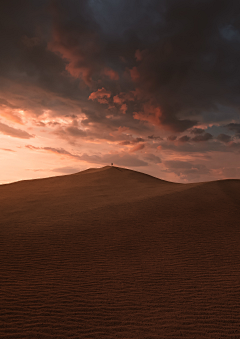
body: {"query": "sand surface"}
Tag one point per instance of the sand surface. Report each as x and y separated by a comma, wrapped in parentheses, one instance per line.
(114, 253)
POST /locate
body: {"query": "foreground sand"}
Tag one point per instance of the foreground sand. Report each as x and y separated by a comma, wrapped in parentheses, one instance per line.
(113, 253)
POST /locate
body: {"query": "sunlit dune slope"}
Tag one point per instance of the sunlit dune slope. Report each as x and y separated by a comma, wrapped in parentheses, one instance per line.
(114, 253)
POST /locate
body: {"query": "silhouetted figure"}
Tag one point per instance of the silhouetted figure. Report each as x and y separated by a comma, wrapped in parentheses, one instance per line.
(111, 164)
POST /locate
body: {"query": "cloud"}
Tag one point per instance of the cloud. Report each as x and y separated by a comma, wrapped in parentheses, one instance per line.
(118, 100)
(75, 131)
(197, 131)
(185, 169)
(150, 114)
(77, 44)
(121, 100)
(135, 75)
(56, 151)
(185, 88)
(175, 76)
(224, 137)
(137, 140)
(121, 159)
(66, 170)
(7, 150)
(152, 137)
(10, 112)
(113, 75)
(124, 108)
(202, 137)
(30, 42)
(235, 127)
(197, 147)
(152, 158)
(184, 138)
(125, 143)
(60, 151)
(101, 95)
(14, 132)
(137, 148)
(172, 138)
(233, 146)
(231, 172)
(131, 141)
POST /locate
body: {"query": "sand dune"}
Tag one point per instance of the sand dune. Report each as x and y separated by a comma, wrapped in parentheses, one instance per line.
(114, 253)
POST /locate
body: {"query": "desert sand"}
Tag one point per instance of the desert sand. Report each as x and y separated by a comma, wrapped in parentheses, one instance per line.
(114, 253)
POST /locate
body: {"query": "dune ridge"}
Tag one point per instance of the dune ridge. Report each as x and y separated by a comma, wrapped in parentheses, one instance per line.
(114, 253)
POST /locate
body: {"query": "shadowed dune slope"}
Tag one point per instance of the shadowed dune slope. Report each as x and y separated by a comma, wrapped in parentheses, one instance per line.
(114, 253)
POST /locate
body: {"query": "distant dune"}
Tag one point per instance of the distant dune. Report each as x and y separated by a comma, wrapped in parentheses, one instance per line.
(114, 253)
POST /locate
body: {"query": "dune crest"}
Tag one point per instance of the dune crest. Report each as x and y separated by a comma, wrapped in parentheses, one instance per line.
(82, 191)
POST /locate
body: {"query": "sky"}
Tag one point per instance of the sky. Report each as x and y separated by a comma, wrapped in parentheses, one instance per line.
(150, 85)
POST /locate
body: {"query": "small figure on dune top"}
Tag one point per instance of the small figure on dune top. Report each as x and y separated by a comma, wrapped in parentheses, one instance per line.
(112, 164)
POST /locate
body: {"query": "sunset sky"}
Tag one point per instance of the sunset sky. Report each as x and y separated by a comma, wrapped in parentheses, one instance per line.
(151, 85)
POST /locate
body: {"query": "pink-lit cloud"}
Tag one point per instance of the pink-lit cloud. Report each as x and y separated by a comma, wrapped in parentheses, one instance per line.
(79, 48)
(101, 95)
(10, 114)
(7, 150)
(14, 132)
(113, 75)
(137, 148)
(135, 75)
(150, 114)
(121, 159)
(121, 100)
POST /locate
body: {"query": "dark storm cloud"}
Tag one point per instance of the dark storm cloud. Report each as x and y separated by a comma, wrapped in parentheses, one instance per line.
(152, 137)
(169, 63)
(235, 128)
(184, 138)
(197, 131)
(224, 137)
(25, 28)
(202, 137)
(132, 141)
(172, 138)
(198, 147)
